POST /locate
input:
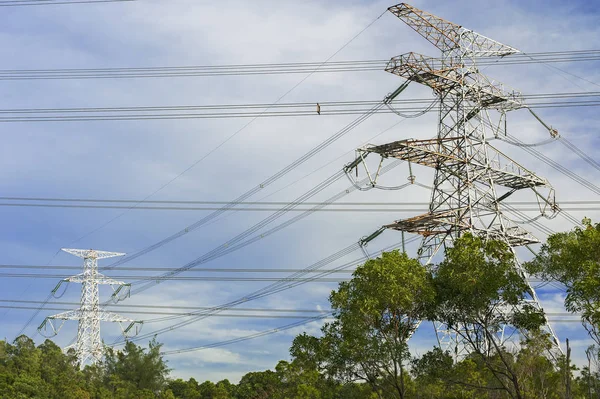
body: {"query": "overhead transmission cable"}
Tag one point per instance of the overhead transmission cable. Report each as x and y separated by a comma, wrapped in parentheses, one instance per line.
(169, 307)
(336, 209)
(227, 215)
(247, 337)
(546, 230)
(273, 178)
(22, 3)
(260, 106)
(237, 243)
(175, 113)
(268, 68)
(184, 350)
(244, 196)
(319, 264)
(230, 249)
(283, 284)
(256, 335)
(554, 68)
(266, 315)
(253, 203)
(141, 279)
(578, 179)
(288, 327)
(555, 165)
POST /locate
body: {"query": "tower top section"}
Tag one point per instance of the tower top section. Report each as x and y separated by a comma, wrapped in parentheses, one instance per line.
(92, 253)
(448, 36)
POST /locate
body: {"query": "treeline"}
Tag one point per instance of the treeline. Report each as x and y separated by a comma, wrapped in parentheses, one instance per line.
(45, 372)
(477, 292)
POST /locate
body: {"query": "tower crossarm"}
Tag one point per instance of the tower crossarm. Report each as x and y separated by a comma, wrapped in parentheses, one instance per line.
(436, 153)
(113, 317)
(448, 36)
(68, 315)
(457, 220)
(433, 223)
(92, 253)
(98, 279)
(100, 315)
(452, 77)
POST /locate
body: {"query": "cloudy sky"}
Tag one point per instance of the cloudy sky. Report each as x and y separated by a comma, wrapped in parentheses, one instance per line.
(138, 158)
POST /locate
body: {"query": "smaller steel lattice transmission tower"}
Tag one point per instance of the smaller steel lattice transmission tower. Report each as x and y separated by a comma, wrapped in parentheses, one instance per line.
(472, 179)
(89, 347)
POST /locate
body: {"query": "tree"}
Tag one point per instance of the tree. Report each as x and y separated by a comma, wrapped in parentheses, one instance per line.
(573, 259)
(133, 370)
(61, 373)
(537, 373)
(184, 389)
(46, 372)
(24, 364)
(258, 385)
(296, 382)
(475, 285)
(227, 387)
(375, 314)
(432, 373)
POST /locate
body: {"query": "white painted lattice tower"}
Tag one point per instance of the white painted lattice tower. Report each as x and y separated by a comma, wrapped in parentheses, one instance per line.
(89, 347)
(472, 178)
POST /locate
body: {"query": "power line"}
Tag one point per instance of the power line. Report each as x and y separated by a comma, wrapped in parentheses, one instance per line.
(168, 307)
(262, 203)
(242, 106)
(213, 216)
(228, 247)
(266, 68)
(182, 114)
(530, 56)
(238, 243)
(558, 167)
(582, 154)
(276, 310)
(180, 314)
(274, 288)
(165, 269)
(22, 3)
(284, 328)
(261, 186)
(140, 279)
(253, 209)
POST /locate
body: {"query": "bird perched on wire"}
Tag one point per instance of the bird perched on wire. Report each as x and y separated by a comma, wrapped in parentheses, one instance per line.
(318, 109)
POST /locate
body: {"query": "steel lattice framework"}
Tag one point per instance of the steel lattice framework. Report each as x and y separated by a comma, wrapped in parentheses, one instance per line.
(89, 347)
(471, 178)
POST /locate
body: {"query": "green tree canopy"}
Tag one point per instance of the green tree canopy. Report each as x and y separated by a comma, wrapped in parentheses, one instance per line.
(573, 259)
(375, 314)
(478, 288)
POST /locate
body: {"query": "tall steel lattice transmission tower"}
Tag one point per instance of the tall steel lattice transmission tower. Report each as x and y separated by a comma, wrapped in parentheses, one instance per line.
(89, 347)
(472, 179)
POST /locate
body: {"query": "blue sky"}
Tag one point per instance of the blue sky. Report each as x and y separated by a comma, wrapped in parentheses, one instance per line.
(132, 159)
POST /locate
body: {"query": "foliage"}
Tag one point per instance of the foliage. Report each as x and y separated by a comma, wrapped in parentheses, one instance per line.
(573, 259)
(45, 372)
(363, 352)
(375, 314)
(475, 285)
